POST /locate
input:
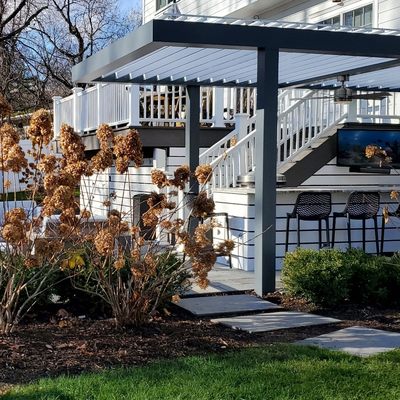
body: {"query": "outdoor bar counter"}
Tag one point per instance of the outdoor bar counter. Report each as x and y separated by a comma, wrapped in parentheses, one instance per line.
(239, 203)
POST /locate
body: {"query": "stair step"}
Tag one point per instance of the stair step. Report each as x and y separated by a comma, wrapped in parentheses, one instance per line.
(302, 154)
(286, 167)
(318, 142)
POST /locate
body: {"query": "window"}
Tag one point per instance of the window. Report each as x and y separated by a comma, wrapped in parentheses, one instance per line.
(331, 21)
(361, 17)
(162, 3)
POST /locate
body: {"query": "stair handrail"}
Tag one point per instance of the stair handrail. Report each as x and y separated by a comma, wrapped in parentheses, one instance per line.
(220, 147)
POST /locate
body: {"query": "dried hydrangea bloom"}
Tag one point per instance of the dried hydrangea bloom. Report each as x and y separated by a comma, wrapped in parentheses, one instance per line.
(32, 261)
(76, 170)
(385, 215)
(157, 202)
(203, 173)
(102, 160)
(159, 178)
(394, 195)
(15, 215)
(128, 149)
(5, 108)
(14, 233)
(86, 214)
(48, 163)
(150, 263)
(181, 177)
(150, 219)
(202, 205)
(71, 144)
(8, 138)
(105, 135)
(15, 160)
(119, 263)
(63, 197)
(40, 128)
(104, 242)
(225, 248)
(7, 184)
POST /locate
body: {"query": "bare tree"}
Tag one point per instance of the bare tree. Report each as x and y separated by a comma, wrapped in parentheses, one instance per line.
(16, 16)
(71, 30)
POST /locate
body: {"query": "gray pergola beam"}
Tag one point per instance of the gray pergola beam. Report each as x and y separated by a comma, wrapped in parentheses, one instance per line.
(285, 39)
(192, 132)
(265, 190)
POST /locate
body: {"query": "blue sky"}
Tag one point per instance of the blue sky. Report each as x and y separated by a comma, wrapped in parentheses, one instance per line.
(128, 4)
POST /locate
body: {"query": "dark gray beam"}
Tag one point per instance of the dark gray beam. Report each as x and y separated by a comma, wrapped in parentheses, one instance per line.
(192, 132)
(265, 193)
(194, 34)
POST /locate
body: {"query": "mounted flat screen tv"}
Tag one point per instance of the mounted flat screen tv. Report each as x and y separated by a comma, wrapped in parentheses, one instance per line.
(351, 144)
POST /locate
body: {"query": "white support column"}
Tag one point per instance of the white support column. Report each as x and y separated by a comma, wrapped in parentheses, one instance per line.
(241, 129)
(99, 107)
(134, 103)
(218, 107)
(352, 111)
(76, 110)
(56, 116)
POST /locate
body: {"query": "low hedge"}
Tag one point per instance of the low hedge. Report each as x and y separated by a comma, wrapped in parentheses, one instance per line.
(330, 277)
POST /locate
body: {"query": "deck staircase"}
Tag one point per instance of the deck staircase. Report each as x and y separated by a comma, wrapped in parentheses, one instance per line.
(305, 127)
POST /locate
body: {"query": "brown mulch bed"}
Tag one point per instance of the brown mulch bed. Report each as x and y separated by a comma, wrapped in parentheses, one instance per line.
(69, 345)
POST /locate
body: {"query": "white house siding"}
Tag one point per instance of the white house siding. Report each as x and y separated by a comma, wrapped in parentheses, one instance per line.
(214, 7)
(239, 204)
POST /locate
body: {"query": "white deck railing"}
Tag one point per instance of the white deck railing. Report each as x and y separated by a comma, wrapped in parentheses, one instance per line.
(134, 105)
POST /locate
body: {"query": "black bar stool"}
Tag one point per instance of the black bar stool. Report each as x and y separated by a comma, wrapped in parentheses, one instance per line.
(311, 206)
(360, 206)
(395, 214)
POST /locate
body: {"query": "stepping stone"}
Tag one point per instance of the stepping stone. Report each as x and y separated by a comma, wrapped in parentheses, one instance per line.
(229, 304)
(357, 340)
(274, 321)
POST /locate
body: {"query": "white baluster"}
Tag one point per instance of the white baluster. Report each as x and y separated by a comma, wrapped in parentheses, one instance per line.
(134, 104)
(76, 111)
(56, 116)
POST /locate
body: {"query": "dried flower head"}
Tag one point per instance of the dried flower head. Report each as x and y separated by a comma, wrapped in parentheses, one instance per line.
(203, 173)
(225, 247)
(159, 178)
(394, 195)
(40, 128)
(102, 160)
(104, 242)
(71, 144)
(128, 149)
(15, 160)
(105, 135)
(181, 177)
(48, 163)
(202, 205)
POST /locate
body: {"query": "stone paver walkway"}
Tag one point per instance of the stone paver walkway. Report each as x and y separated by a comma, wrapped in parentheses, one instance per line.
(274, 321)
(357, 340)
(229, 304)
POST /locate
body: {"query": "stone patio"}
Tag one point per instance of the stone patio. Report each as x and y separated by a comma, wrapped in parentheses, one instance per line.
(229, 304)
(224, 280)
(357, 341)
(274, 321)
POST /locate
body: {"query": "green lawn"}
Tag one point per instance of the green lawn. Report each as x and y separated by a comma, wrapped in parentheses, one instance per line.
(275, 372)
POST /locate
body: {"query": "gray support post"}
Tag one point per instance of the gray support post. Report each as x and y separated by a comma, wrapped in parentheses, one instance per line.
(265, 193)
(192, 132)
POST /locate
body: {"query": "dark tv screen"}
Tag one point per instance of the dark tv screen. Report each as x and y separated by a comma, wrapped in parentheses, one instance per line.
(352, 144)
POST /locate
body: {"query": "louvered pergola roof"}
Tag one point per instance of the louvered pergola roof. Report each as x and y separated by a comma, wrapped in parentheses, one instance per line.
(208, 51)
